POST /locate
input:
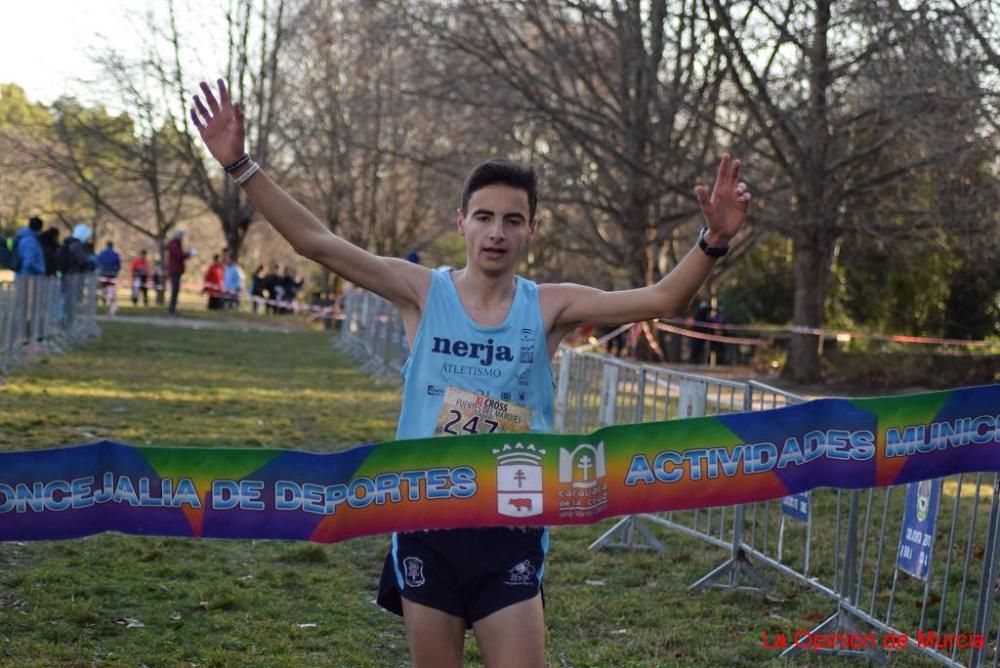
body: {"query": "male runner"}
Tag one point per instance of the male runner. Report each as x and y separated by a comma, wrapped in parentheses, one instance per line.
(480, 341)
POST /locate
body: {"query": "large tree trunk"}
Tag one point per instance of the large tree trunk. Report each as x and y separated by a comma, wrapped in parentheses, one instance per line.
(811, 270)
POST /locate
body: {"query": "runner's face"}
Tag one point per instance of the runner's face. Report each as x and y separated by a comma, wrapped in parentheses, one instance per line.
(496, 228)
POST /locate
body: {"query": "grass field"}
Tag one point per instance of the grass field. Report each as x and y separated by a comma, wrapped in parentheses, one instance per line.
(114, 600)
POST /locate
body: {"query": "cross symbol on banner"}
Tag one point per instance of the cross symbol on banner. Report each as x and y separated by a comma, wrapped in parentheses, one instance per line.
(519, 477)
(585, 466)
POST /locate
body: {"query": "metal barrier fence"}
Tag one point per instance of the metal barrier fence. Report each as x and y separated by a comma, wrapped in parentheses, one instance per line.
(372, 333)
(843, 544)
(45, 314)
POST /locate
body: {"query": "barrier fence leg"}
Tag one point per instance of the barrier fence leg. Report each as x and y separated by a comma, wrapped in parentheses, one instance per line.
(844, 621)
(734, 568)
(627, 528)
(7, 313)
(737, 565)
(986, 583)
(623, 536)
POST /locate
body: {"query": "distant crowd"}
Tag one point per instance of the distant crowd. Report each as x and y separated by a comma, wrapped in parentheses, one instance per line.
(225, 281)
(32, 251)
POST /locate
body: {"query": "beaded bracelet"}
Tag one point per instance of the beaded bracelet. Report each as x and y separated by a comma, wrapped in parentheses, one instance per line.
(245, 176)
(243, 159)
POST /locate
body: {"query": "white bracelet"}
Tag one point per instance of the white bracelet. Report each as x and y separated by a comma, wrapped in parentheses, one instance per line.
(245, 176)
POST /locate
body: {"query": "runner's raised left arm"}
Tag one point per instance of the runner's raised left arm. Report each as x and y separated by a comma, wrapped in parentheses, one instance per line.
(724, 212)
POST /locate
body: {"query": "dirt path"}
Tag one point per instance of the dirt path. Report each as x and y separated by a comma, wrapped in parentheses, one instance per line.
(195, 323)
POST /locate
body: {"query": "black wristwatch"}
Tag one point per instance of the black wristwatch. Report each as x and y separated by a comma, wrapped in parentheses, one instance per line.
(710, 251)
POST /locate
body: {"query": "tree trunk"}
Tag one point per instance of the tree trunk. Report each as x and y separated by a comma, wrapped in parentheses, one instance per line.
(811, 270)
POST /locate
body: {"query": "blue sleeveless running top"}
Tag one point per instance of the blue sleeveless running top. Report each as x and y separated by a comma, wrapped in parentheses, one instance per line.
(508, 364)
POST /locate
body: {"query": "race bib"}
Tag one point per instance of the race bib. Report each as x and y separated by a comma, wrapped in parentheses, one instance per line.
(465, 412)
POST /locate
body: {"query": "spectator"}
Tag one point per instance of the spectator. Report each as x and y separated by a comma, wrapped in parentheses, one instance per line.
(214, 278)
(50, 249)
(109, 265)
(232, 281)
(701, 315)
(72, 261)
(257, 287)
(28, 250)
(273, 289)
(72, 257)
(290, 289)
(176, 256)
(140, 278)
(158, 286)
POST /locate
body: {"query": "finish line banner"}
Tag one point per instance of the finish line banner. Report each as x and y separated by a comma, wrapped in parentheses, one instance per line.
(497, 479)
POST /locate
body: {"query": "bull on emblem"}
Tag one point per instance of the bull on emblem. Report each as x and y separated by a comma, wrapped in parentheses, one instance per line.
(520, 504)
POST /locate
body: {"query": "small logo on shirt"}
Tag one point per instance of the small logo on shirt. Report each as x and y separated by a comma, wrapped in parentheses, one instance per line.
(434, 391)
(413, 569)
(520, 573)
(527, 352)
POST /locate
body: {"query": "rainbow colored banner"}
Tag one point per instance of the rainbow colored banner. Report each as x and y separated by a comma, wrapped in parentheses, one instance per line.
(497, 479)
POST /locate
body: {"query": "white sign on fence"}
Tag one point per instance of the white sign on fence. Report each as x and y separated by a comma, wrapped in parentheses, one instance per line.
(693, 400)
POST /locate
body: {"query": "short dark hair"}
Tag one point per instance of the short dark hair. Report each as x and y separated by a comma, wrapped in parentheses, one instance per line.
(506, 172)
(35, 224)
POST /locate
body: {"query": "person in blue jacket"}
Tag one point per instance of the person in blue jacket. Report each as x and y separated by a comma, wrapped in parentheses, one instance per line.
(109, 263)
(31, 260)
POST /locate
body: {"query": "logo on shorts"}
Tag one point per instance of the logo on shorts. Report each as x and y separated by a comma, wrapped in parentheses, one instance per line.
(413, 571)
(520, 574)
(519, 480)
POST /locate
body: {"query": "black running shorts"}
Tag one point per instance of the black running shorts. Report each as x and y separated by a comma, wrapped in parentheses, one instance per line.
(467, 573)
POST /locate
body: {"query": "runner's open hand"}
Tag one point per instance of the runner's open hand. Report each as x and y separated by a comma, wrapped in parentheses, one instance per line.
(220, 125)
(726, 209)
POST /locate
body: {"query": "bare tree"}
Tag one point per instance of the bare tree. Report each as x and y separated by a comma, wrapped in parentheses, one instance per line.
(128, 165)
(255, 36)
(378, 151)
(124, 165)
(616, 100)
(849, 98)
(25, 185)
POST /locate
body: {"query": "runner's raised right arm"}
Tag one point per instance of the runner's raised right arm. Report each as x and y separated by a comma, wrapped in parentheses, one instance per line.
(222, 129)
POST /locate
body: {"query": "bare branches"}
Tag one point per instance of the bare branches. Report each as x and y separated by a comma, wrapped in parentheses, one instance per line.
(614, 96)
